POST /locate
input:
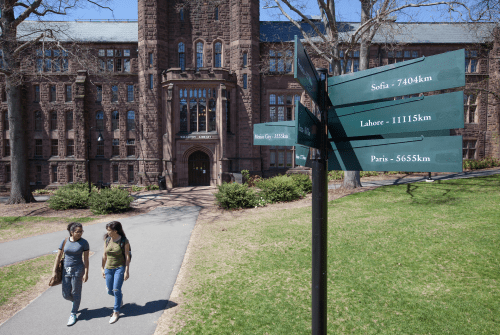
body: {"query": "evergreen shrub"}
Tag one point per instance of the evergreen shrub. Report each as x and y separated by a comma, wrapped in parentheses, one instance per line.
(234, 195)
(110, 200)
(280, 188)
(70, 196)
(303, 182)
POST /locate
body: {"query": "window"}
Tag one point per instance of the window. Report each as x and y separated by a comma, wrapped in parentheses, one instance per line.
(38, 148)
(69, 173)
(6, 121)
(68, 93)
(216, 14)
(99, 120)
(52, 93)
(70, 148)
(115, 147)
(4, 95)
(470, 108)
(150, 57)
(98, 93)
(130, 93)
(7, 173)
(471, 61)
(115, 173)
(281, 108)
(130, 120)
(53, 121)
(113, 60)
(199, 55)
(114, 93)
(99, 174)
(228, 111)
(37, 93)
(49, 60)
(401, 55)
(54, 147)
(150, 81)
(280, 61)
(193, 107)
(38, 174)
(131, 147)
(54, 173)
(218, 54)
(182, 57)
(181, 14)
(469, 149)
(6, 151)
(245, 59)
(131, 174)
(245, 81)
(38, 121)
(352, 64)
(115, 118)
(69, 120)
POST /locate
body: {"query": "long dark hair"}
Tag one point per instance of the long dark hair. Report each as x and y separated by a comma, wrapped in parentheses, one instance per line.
(115, 225)
(72, 227)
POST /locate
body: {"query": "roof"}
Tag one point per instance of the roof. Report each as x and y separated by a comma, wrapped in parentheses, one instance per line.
(83, 31)
(438, 33)
(270, 31)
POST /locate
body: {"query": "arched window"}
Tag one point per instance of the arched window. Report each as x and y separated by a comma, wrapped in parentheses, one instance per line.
(99, 120)
(182, 56)
(218, 54)
(69, 120)
(200, 118)
(38, 121)
(199, 55)
(53, 121)
(115, 118)
(130, 120)
(216, 14)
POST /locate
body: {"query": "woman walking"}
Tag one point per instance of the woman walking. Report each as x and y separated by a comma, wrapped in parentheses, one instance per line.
(76, 267)
(115, 264)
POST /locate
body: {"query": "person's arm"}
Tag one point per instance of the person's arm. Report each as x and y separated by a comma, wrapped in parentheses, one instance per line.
(86, 263)
(104, 259)
(127, 260)
(58, 259)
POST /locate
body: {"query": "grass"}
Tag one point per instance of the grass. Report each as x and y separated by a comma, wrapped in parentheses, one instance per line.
(420, 258)
(21, 277)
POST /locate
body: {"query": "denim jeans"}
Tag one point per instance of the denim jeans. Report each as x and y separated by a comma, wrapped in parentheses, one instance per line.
(72, 281)
(114, 282)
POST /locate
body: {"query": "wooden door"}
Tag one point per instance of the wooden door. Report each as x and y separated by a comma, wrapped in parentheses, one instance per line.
(199, 169)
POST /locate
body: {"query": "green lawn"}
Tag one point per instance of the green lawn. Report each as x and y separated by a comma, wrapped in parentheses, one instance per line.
(411, 259)
(21, 277)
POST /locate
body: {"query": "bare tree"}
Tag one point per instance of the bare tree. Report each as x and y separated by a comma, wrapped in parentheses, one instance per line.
(325, 36)
(15, 47)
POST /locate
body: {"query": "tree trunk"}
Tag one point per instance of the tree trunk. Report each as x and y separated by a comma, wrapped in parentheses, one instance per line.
(352, 179)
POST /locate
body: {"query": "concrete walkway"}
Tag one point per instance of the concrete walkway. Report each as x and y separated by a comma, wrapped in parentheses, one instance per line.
(406, 180)
(158, 240)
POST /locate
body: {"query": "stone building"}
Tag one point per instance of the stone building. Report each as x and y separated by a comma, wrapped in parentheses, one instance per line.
(185, 87)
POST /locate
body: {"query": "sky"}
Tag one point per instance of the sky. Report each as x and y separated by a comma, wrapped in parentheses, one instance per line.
(347, 10)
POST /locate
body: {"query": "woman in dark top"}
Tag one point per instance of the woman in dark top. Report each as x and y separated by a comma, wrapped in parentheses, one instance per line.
(115, 264)
(76, 267)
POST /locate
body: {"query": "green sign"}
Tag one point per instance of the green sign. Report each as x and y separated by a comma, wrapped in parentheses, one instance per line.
(416, 154)
(444, 111)
(275, 133)
(302, 155)
(304, 71)
(423, 74)
(307, 125)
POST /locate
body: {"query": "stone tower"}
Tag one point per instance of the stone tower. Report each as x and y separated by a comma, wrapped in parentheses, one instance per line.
(200, 86)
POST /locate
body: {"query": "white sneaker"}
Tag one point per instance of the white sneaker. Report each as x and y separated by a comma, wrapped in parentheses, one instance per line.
(114, 318)
(72, 319)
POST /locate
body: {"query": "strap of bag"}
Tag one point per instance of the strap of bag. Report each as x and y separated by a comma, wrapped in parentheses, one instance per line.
(64, 243)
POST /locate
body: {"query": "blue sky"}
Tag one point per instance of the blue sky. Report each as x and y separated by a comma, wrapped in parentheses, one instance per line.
(347, 10)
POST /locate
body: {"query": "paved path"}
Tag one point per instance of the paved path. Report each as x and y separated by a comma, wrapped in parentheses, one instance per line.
(397, 181)
(158, 239)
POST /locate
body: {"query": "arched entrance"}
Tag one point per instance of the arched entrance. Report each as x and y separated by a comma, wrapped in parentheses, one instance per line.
(199, 169)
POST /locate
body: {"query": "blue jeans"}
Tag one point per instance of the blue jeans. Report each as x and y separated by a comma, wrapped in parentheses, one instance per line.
(114, 282)
(72, 280)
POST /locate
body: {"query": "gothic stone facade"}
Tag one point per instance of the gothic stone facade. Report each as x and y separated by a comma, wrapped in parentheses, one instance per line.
(185, 89)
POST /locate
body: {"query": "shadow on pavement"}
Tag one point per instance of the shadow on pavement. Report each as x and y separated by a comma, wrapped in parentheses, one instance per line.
(127, 310)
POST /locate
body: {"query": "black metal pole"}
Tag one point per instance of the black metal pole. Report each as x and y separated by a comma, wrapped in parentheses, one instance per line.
(320, 220)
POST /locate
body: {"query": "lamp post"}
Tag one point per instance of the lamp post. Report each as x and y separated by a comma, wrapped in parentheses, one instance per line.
(99, 139)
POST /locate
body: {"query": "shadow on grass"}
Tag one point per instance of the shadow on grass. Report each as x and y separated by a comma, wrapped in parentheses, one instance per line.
(127, 310)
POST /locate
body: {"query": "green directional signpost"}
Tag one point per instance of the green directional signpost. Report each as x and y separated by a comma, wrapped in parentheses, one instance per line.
(366, 130)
